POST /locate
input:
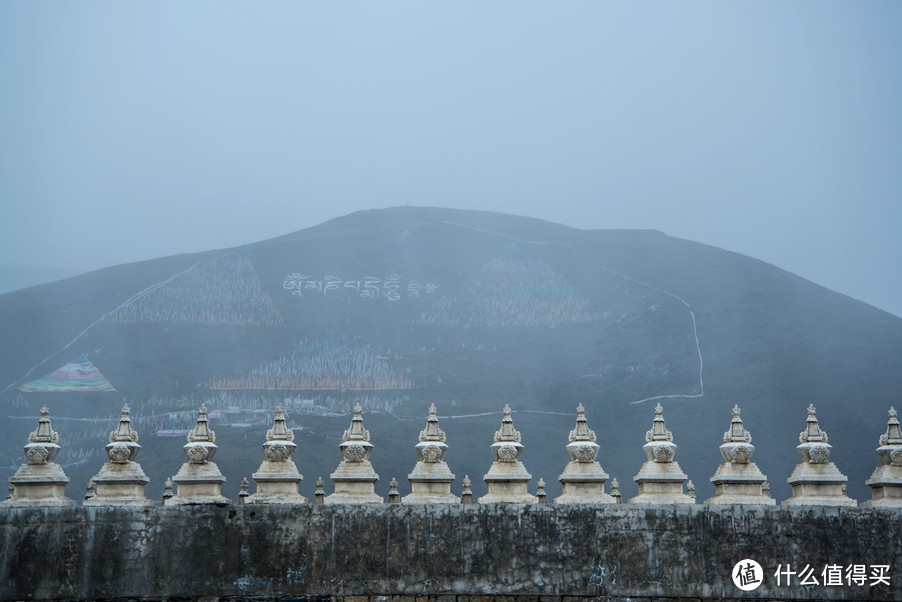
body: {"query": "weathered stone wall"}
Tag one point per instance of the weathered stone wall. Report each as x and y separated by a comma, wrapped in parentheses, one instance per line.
(602, 552)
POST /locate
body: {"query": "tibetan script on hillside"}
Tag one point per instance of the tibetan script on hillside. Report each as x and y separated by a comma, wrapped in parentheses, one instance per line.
(391, 287)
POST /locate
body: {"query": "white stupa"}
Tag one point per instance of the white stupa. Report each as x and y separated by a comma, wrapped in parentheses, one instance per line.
(738, 480)
(354, 479)
(278, 478)
(507, 479)
(583, 478)
(886, 482)
(40, 481)
(121, 480)
(816, 480)
(431, 479)
(199, 481)
(660, 479)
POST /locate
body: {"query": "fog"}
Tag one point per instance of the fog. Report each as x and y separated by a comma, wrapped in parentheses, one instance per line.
(131, 131)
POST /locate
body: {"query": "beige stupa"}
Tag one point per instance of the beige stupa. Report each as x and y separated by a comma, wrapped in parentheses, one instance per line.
(816, 480)
(121, 480)
(198, 480)
(354, 479)
(738, 480)
(886, 482)
(466, 494)
(507, 478)
(40, 481)
(278, 478)
(430, 481)
(583, 478)
(660, 479)
(394, 496)
(319, 494)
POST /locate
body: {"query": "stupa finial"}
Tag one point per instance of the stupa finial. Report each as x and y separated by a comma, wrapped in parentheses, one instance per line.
(541, 494)
(124, 432)
(432, 432)
(280, 430)
(44, 433)
(658, 430)
(737, 432)
(394, 496)
(812, 432)
(202, 430)
(893, 434)
(582, 432)
(356, 432)
(507, 432)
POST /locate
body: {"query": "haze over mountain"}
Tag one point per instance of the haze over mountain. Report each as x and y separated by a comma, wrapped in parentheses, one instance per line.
(399, 308)
(15, 276)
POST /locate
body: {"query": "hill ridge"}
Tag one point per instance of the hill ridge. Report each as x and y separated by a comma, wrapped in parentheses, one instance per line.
(696, 327)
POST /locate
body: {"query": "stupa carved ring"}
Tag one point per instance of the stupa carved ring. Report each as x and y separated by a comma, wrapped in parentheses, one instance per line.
(119, 454)
(277, 453)
(584, 454)
(663, 453)
(432, 454)
(895, 457)
(354, 453)
(819, 454)
(507, 453)
(37, 455)
(197, 454)
(741, 454)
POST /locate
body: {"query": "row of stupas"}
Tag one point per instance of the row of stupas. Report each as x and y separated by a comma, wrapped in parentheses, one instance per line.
(121, 481)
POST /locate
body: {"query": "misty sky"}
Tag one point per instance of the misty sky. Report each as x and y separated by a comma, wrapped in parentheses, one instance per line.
(132, 130)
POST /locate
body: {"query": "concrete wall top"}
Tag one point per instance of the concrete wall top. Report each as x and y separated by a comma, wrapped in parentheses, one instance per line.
(607, 552)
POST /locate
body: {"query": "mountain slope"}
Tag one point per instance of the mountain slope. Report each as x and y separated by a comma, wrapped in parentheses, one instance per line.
(399, 308)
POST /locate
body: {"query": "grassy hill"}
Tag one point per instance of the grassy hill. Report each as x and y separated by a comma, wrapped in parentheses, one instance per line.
(399, 308)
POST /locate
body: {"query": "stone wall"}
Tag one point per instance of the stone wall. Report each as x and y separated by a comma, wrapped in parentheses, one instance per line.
(444, 553)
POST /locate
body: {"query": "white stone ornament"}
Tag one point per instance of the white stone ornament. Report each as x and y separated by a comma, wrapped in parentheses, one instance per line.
(507, 478)
(738, 480)
(278, 478)
(354, 453)
(121, 481)
(583, 479)
(199, 481)
(354, 479)
(660, 479)
(394, 497)
(430, 480)
(44, 440)
(40, 481)
(319, 494)
(466, 494)
(816, 481)
(886, 480)
(37, 454)
(615, 491)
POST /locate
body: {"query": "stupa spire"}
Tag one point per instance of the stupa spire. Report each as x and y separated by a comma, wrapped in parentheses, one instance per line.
(583, 479)
(40, 481)
(507, 479)
(121, 480)
(430, 480)
(738, 480)
(355, 480)
(886, 480)
(278, 477)
(199, 481)
(816, 480)
(660, 479)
